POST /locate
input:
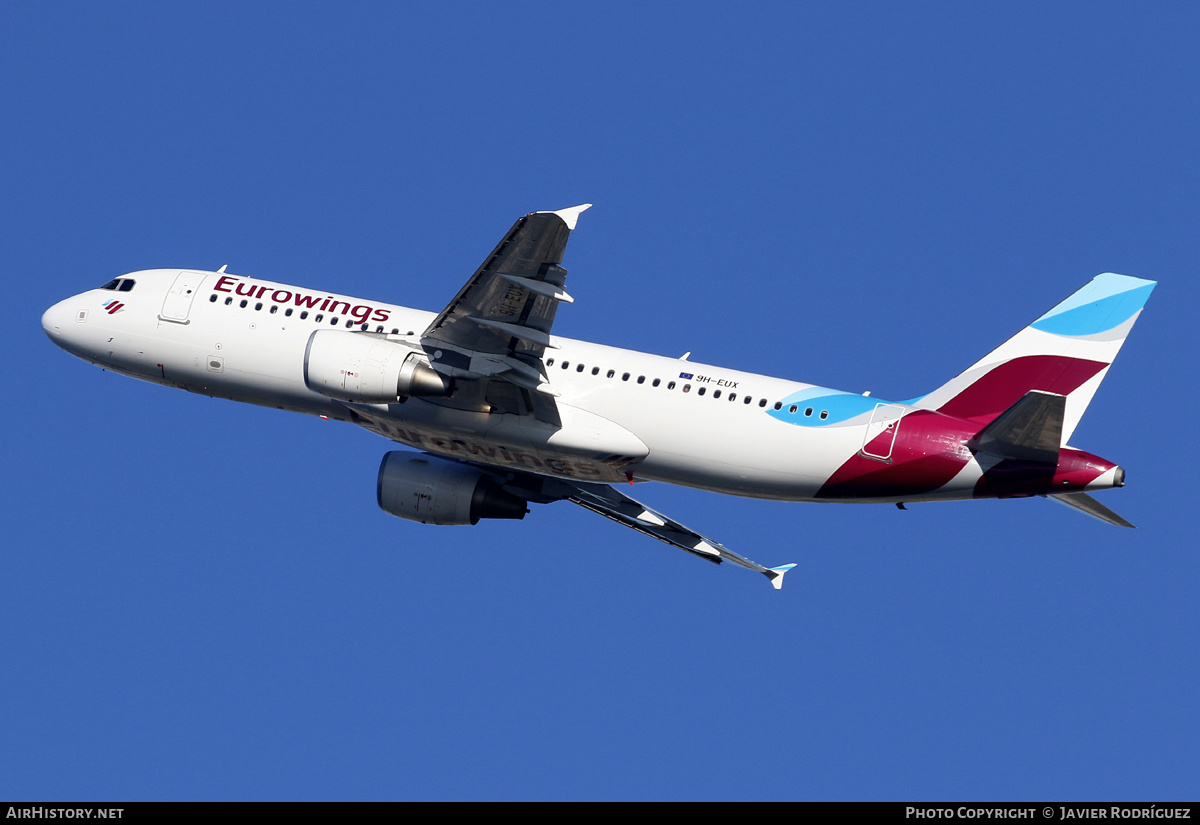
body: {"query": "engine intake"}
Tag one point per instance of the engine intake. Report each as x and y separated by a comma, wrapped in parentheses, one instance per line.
(434, 491)
(351, 366)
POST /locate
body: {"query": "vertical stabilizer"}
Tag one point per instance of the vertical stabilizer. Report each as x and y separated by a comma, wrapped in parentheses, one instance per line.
(1066, 352)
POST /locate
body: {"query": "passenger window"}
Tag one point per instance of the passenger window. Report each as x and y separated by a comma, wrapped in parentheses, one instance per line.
(258, 306)
(304, 315)
(733, 396)
(824, 414)
(212, 299)
(566, 364)
(656, 382)
(625, 377)
(228, 301)
(701, 391)
(641, 379)
(779, 405)
(579, 368)
(611, 373)
(274, 309)
(762, 402)
(792, 409)
(319, 318)
(549, 362)
(333, 321)
(243, 303)
(687, 387)
(288, 312)
(808, 411)
(595, 370)
(670, 385)
(747, 400)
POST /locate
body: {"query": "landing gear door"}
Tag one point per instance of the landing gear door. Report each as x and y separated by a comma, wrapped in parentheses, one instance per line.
(881, 432)
(178, 302)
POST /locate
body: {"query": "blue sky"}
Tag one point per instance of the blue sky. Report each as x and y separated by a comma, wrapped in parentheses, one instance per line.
(201, 600)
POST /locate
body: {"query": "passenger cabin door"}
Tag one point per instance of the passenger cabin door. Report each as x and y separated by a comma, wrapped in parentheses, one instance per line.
(881, 432)
(178, 303)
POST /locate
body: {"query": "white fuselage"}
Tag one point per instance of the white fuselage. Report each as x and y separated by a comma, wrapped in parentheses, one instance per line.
(625, 414)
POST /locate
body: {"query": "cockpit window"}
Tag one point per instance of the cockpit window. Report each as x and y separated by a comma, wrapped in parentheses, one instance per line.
(112, 284)
(121, 284)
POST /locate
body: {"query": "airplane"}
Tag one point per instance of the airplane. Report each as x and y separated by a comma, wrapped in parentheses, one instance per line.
(506, 414)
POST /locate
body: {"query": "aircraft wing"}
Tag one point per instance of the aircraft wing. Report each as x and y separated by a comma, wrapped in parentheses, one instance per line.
(610, 503)
(498, 325)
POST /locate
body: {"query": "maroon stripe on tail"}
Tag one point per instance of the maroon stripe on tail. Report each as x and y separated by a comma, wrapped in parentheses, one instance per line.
(1004, 385)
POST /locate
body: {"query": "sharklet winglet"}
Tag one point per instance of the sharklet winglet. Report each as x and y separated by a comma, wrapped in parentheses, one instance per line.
(775, 574)
(570, 215)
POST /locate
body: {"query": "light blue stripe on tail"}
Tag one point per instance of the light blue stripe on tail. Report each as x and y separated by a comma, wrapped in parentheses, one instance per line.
(1107, 301)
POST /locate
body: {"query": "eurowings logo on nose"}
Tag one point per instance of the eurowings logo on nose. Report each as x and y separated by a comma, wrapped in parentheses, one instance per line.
(114, 306)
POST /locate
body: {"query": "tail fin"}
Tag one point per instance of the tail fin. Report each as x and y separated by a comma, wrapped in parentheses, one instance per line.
(1066, 352)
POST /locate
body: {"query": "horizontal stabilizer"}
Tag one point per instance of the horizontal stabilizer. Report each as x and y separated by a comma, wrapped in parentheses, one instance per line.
(1086, 504)
(1029, 430)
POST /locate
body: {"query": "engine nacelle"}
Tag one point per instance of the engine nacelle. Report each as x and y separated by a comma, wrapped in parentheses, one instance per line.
(433, 491)
(354, 367)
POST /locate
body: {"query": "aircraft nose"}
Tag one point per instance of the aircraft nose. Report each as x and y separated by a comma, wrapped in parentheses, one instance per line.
(54, 321)
(66, 324)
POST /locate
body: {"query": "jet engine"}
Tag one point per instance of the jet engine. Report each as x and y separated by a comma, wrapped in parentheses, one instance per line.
(434, 491)
(351, 366)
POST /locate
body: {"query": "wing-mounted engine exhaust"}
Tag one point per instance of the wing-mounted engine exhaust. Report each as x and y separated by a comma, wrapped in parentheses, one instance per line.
(352, 366)
(418, 378)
